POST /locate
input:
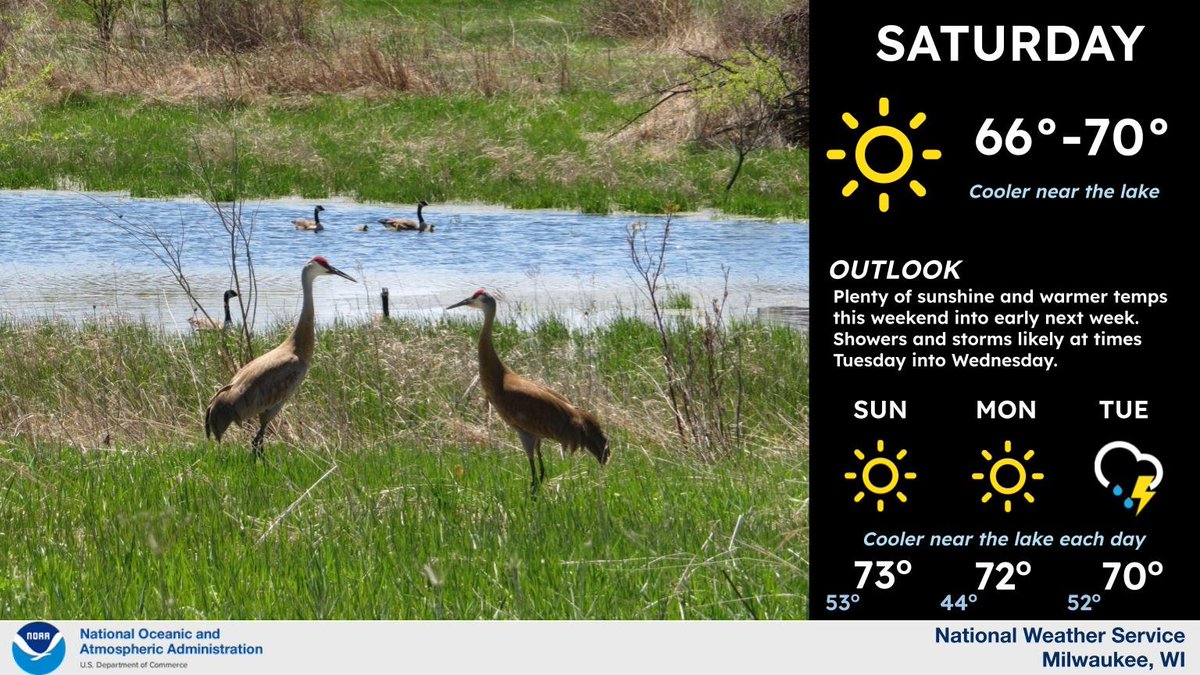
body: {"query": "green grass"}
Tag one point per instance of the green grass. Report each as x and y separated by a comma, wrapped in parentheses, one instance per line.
(505, 150)
(678, 301)
(112, 504)
(514, 103)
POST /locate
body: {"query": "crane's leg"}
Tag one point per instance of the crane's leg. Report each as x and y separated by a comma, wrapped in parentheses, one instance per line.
(263, 420)
(530, 443)
(541, 464)
(256, 446)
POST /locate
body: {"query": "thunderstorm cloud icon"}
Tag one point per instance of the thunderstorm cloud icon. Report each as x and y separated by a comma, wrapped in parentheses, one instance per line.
(1143, 489)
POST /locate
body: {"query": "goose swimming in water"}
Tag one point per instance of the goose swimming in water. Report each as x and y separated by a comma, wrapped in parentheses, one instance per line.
(407, 225)
(313, 225)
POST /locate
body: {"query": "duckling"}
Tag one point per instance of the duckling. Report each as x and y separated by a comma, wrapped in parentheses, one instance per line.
(313, 225)
(201, 323)
(406, 225)
(361, 228)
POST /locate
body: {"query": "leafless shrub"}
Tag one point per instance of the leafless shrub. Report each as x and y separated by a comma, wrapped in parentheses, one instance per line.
(23, 79)
(487, 73)
(246, 25)
(164, 13)
(635, 18)
(700, 363)
(8, 29)
(752, 90)
(387, 72)
(740, 23)
(786, 37)
(104, 15)
(220, 186)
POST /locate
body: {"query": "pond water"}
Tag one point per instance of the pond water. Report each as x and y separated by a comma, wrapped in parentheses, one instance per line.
(68, 258)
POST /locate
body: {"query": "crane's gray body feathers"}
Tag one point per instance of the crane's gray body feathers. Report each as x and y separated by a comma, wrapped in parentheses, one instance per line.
(262, 386)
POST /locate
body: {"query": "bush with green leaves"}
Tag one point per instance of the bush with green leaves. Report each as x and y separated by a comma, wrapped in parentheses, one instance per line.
(746, 91)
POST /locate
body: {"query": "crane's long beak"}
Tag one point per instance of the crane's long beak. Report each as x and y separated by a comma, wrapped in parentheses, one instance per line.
(342, 274)
(460, 303)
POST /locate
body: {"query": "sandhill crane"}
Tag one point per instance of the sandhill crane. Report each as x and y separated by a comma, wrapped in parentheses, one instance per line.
(200, 323)
(313, 225)
(535, 411)
(262, 386)
(406, 225)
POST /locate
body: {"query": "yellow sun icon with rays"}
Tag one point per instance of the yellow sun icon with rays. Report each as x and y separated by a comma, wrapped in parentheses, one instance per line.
(1008, 487)
(887, 467)
(884, 177)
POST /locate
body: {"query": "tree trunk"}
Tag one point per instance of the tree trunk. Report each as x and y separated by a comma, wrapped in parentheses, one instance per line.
(737, 169)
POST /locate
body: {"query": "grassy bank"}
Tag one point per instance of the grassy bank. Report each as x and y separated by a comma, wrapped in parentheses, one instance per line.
(389, 491)
(504, 150)
(513, 103)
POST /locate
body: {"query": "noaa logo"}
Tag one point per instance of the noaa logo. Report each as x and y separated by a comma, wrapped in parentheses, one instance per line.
(38, 648)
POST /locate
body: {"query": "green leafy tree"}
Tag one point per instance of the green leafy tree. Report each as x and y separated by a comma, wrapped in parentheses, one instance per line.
(747, 91)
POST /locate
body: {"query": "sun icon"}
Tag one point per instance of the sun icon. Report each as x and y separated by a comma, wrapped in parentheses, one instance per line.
(906, 155)
(993, 476)
(881, 465)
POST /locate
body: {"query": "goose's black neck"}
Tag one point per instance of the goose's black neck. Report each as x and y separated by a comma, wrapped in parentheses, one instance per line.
(420, 218)
(317, 215)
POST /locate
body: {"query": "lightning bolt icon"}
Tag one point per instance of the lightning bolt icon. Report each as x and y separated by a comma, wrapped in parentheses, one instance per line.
(1142, 492)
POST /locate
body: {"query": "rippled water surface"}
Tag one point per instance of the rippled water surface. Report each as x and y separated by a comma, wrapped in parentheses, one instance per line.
(66, 258)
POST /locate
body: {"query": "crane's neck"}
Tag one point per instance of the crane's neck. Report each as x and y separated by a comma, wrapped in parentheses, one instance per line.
(420, 218)
(317, 216)
(304, 336)
(491, 370)
(228, 316)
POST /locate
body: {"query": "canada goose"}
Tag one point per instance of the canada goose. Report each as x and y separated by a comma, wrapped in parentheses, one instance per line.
(406, 225)
(313, 225)
(361, 228)
(201, 323)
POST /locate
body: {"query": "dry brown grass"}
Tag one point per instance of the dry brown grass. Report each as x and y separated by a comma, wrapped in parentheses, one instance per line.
(677, 121)
(246, 25)
(296, 48)
(251, 133)
(360, 69)
(118, 386)
(114, 388)
(636, 18)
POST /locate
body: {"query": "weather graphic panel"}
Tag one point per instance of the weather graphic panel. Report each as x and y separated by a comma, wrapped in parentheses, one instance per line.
(999, 313)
